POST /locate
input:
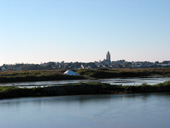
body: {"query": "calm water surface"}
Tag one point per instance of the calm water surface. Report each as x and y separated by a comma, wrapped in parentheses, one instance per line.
(113, 81)
(94, 111)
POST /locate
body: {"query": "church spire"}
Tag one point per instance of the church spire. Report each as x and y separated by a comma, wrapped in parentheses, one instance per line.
(108, 56)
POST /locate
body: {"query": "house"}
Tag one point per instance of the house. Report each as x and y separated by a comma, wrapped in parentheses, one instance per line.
(3, 68)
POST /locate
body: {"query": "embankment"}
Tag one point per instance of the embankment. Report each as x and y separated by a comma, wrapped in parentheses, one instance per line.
(81, 89)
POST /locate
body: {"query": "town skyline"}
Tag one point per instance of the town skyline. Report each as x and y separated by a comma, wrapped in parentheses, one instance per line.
(106, 59)
(105, 63)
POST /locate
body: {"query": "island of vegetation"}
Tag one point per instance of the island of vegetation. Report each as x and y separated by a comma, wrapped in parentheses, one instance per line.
(80, 89)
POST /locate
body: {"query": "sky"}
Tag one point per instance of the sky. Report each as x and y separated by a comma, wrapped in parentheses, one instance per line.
(37, 31)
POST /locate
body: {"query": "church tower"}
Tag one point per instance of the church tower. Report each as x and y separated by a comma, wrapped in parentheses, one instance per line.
(108, 56)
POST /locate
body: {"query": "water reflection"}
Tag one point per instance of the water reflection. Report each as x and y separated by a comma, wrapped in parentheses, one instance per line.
(113, 81)
(92, 111)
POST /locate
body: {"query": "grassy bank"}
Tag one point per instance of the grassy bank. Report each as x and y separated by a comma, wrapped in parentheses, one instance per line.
(81, 89)
(112, 73)
(47, 75)
(23, 76)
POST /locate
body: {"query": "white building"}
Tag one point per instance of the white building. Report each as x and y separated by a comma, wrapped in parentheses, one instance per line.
(3, 68)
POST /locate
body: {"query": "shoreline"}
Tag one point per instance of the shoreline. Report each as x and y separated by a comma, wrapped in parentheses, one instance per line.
(81, 89)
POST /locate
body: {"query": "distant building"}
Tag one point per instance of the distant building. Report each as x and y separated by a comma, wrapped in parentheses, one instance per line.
(82, 66)
(108, 56)
(3, 68)
(106, 62)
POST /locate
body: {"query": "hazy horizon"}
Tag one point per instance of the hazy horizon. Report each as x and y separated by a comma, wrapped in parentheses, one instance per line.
(72, 30)
(80, 61)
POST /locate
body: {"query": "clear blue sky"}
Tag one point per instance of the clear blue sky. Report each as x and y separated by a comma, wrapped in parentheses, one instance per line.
(35, 31)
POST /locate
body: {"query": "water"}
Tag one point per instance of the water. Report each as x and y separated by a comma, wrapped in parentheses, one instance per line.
(94, 111)
(113, 81)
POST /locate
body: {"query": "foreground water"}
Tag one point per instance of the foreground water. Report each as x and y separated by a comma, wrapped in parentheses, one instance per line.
(94, 111)
(113, 81)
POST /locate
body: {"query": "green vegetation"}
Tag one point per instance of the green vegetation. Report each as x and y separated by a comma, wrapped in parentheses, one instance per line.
(47, 75)
(81, 89)
(112, 73)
